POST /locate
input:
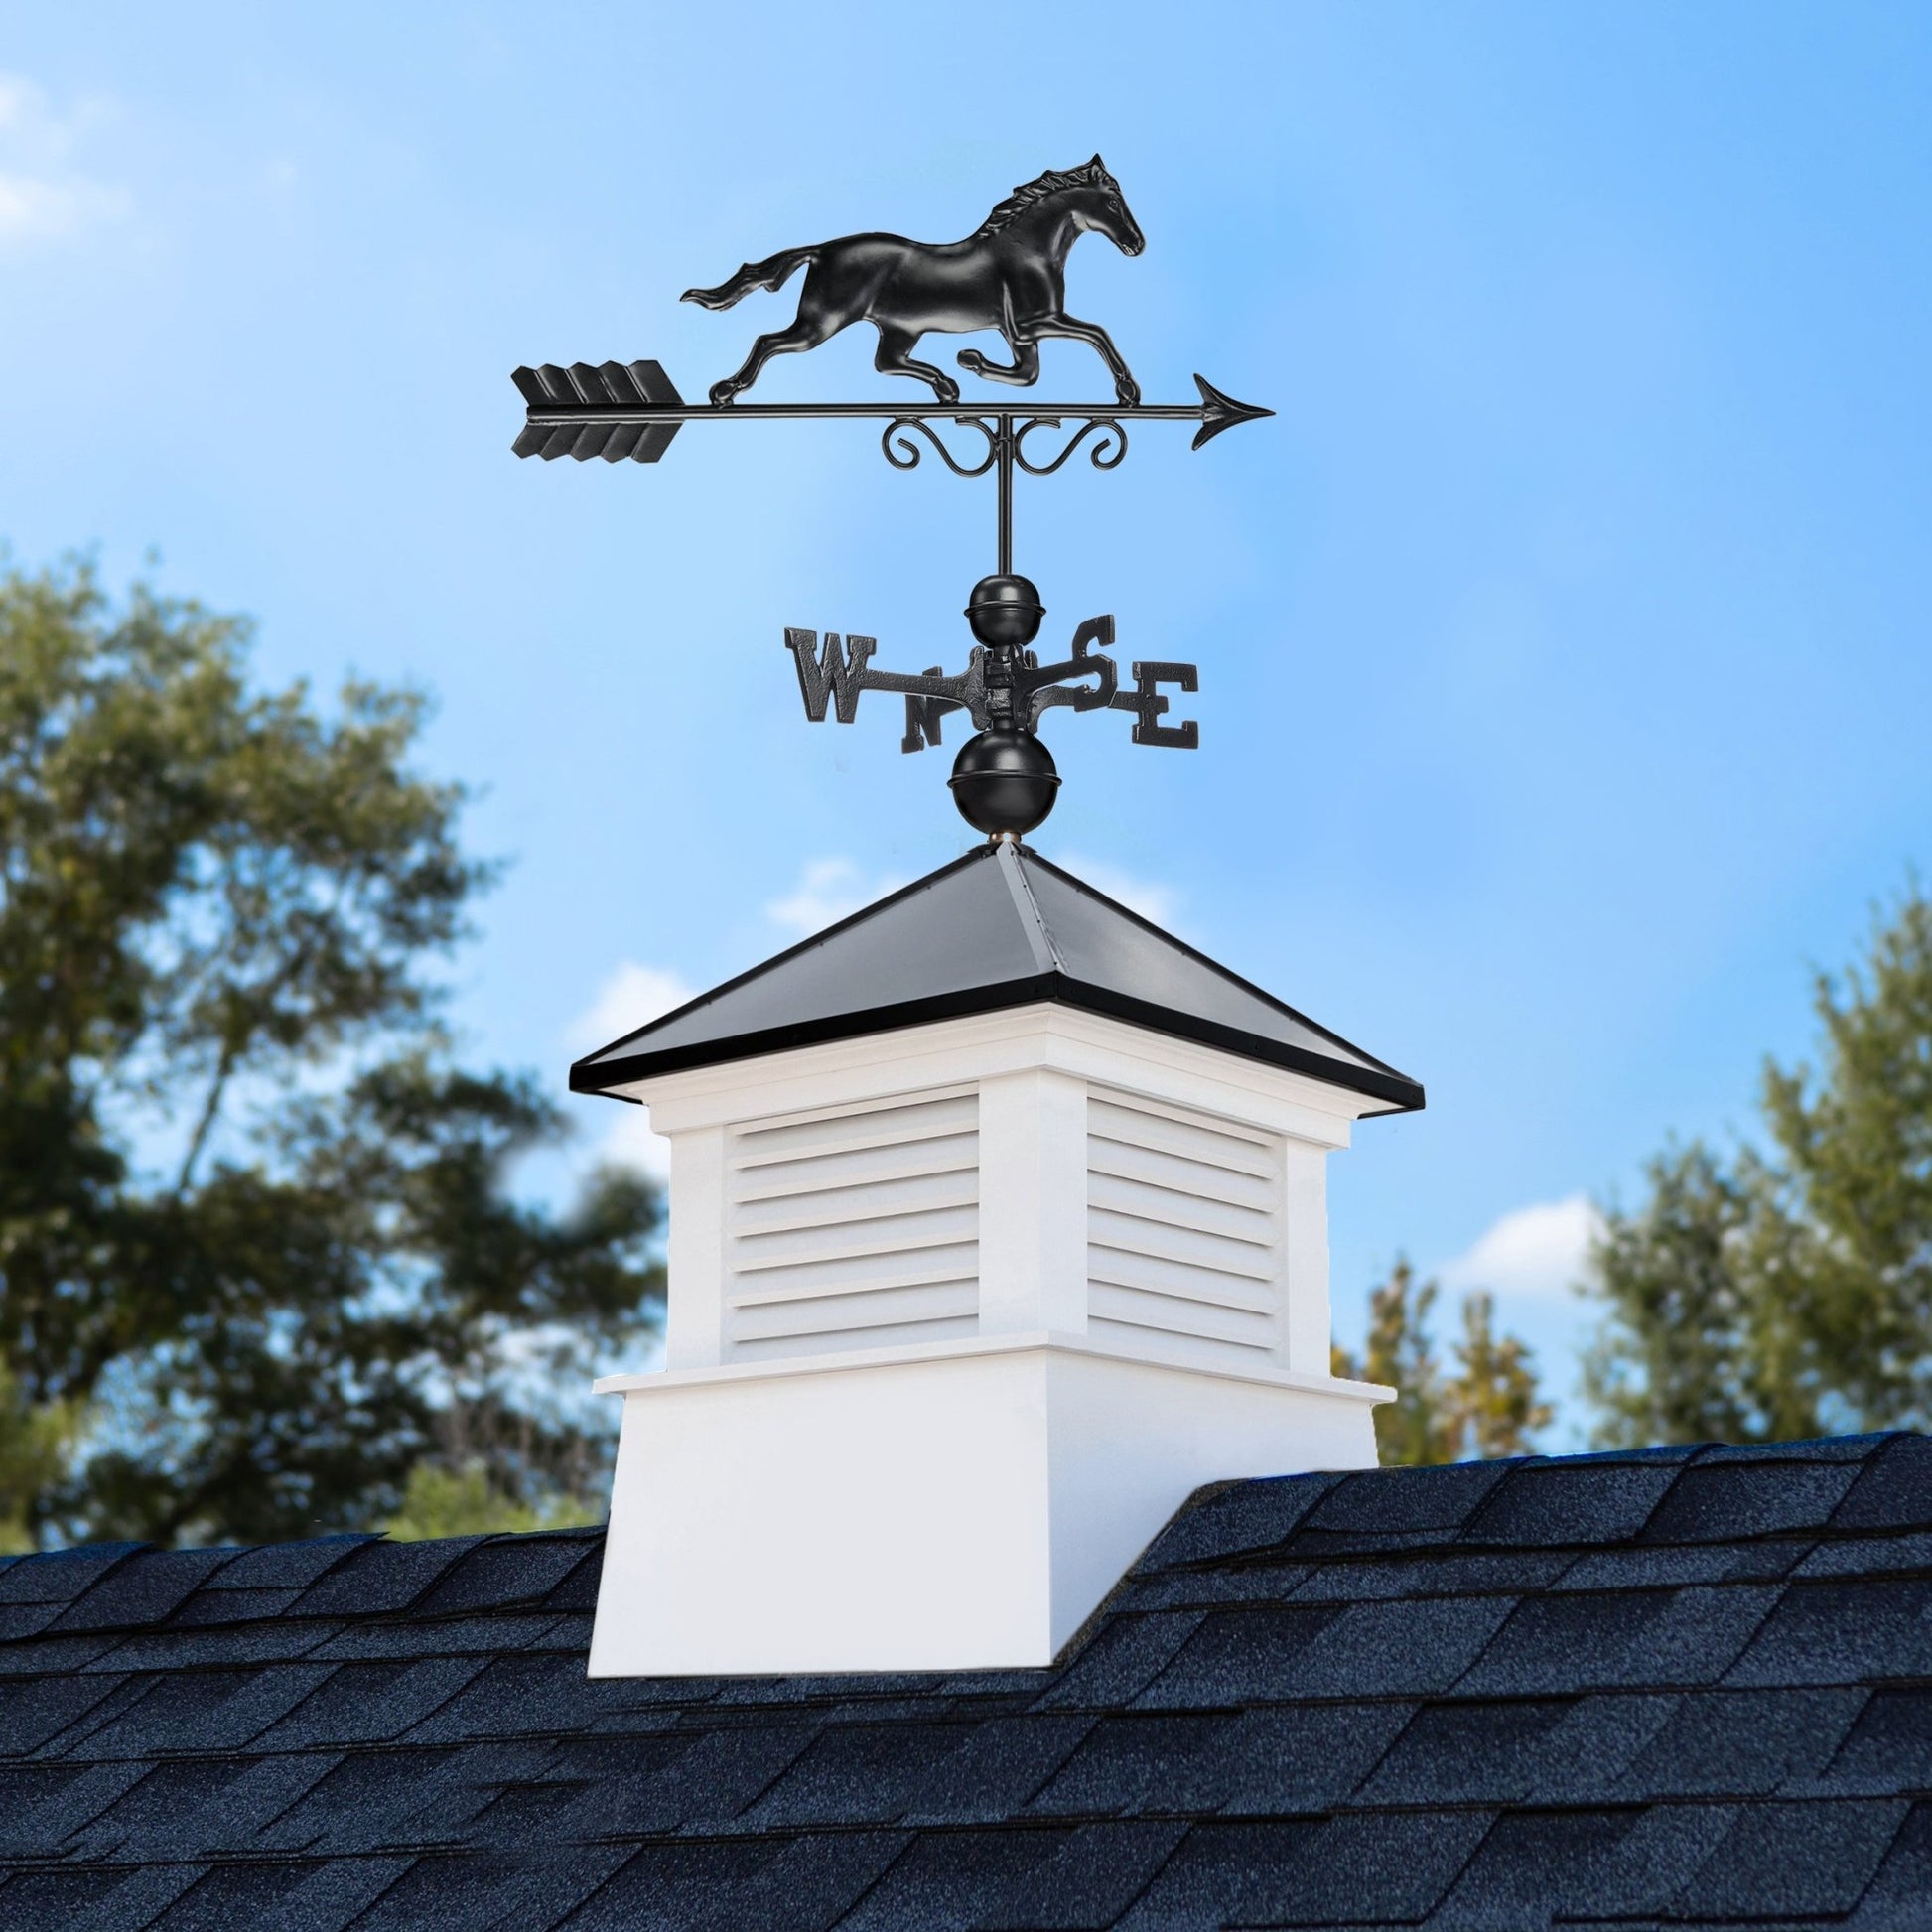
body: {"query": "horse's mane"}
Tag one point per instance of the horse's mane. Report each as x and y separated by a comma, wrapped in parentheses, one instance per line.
(1053, 182)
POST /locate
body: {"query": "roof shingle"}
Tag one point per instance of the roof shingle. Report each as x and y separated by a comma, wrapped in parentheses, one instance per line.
(1688, 1686)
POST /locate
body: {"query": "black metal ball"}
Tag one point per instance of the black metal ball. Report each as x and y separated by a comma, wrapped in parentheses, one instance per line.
(1004, 781)
(1005, 610)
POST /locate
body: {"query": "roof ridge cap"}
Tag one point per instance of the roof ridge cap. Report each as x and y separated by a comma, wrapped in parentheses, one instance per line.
(1039, 935)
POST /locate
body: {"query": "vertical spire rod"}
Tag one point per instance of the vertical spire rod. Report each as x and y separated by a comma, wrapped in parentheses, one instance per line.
(1002, 448)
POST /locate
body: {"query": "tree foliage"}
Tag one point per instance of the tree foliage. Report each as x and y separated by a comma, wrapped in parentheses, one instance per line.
(35, 1444)
(253, 1221)
(1486, 1405)
(1788, 1291)
(441, 1500)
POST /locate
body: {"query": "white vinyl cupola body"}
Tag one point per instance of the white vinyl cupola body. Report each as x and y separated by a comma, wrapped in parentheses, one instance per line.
(998, 1226)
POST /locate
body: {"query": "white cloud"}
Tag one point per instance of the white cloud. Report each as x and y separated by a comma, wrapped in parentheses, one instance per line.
(1538, 1250)
(34, 209)
(1146, 897)
(42, 195)
(828, 889)
(631, 998)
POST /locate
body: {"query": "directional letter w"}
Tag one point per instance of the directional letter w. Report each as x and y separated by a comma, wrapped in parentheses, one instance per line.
(832, 675)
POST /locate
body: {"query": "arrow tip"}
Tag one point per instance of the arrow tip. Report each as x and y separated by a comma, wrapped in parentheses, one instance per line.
(1219, 412)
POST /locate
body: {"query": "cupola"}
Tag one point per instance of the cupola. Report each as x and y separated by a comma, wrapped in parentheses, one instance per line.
(998, 1226)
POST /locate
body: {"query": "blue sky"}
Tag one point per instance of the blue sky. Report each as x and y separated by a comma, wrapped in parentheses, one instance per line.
(1562, 643)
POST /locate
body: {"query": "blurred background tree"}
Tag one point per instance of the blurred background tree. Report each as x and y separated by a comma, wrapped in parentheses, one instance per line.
(1788, 1291)
(261, 1269)
(1487, 1405)
(35, 1444)
(257, 1245)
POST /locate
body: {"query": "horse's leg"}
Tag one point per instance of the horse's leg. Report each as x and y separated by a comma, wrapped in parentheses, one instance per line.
(894, 357)
(1125, 387)
(1022, 370)
(810, 326)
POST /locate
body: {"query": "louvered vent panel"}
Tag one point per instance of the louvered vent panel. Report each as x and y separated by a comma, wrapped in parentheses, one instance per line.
(855, 1230)
(1184, 1233)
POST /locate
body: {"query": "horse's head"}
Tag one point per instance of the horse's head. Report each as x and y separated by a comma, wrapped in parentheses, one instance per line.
(1097, 206)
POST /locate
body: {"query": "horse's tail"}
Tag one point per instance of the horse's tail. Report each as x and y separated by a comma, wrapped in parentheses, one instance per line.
(767, 274)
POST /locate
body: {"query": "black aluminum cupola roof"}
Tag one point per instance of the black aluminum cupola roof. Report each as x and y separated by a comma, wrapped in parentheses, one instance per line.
(998, 929)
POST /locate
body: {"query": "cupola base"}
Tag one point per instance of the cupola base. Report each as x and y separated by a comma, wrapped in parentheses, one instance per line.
(952, 1506)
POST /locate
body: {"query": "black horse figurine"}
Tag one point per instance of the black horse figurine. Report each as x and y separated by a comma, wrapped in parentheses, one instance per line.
(1009, 275)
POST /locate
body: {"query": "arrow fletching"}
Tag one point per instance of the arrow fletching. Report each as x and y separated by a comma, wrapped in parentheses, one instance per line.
(605, 385)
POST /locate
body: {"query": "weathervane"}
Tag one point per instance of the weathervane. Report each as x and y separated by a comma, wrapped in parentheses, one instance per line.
(1009, 276)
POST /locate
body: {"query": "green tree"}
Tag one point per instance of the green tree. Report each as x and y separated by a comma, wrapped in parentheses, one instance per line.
(35, 1444)
(1486, 1406)
(442, 1502)
(459, 1491)
(1400, 1352)
(1492, 1399)
(253, 1221)
(1788, 1291)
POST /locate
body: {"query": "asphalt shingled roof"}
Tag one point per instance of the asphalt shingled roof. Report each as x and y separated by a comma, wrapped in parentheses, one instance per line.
(1667, 1687)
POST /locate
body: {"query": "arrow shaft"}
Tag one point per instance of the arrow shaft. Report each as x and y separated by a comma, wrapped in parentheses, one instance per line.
(564, 415)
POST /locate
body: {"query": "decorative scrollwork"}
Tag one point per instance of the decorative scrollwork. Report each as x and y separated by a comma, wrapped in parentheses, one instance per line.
(1106, 453)
(904, 454)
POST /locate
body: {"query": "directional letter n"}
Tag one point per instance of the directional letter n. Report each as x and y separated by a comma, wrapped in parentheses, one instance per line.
(922, 716)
